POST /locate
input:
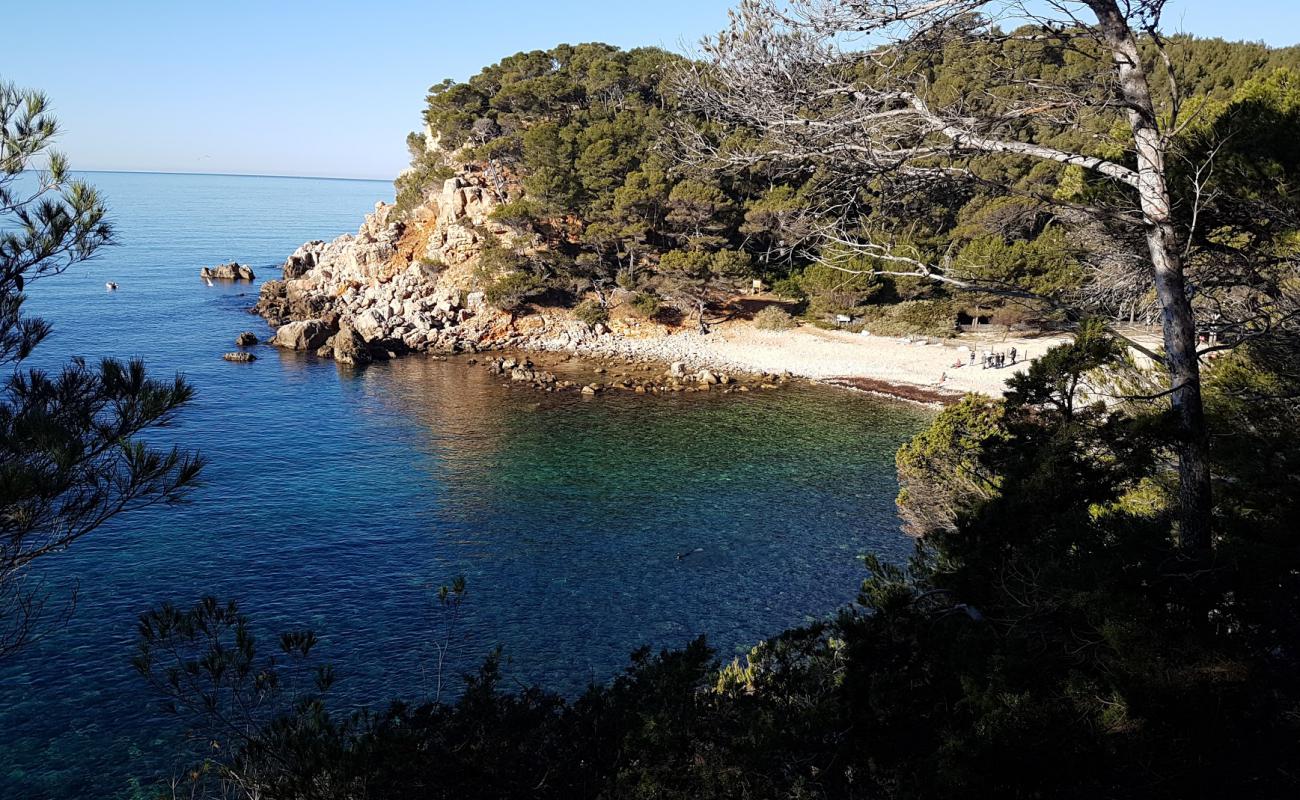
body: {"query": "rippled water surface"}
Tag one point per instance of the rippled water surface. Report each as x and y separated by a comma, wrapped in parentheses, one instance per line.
(340, 501)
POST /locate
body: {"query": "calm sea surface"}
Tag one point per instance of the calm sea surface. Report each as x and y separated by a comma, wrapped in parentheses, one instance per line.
(340, 501)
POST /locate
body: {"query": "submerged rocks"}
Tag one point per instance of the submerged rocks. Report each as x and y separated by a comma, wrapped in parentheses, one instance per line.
(522, 372)
(308, 334)
(234, 271)
(240, 357)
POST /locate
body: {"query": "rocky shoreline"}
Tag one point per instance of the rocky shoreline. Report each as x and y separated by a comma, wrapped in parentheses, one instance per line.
(404, 286)
(409, 284)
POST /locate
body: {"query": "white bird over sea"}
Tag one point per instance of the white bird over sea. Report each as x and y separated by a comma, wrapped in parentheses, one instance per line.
(208, 280)
(110, 286)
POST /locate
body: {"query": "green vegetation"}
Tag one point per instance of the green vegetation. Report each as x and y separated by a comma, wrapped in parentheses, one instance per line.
(585, 128)
(591, 312)
(645, 304)
(773, 318)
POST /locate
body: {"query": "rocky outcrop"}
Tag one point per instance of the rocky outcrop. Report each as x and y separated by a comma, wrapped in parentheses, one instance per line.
(349, 348)
(246, 339)
(240, 357)
(307, 334)
(403, 284)
(233, 271)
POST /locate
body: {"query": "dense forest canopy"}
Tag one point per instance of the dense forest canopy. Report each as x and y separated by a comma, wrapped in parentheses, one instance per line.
(592, 134)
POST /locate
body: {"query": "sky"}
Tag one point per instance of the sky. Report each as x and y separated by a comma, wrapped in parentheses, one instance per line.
(329, 88)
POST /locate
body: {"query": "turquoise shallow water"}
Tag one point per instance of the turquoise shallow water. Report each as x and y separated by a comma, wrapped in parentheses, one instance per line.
(340, 501)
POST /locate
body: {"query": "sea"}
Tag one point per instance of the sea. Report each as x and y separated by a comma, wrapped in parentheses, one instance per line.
(340, 501)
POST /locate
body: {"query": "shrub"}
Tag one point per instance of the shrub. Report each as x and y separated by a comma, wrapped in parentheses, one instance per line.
(788, 288)
(512, 290)
(773, 318)
(920, 317)
(834, 291)
(645, 304)
(628, 279)
(517, 213)
(427, 172)
(591, 312)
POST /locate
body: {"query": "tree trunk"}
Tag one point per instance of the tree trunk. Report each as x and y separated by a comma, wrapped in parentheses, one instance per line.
(1193, 447)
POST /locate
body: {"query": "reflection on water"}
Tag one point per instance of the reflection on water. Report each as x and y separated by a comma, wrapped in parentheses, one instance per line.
(340, 500)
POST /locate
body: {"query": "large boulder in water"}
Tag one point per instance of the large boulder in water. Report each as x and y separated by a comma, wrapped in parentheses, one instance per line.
(308, 334)
(234, 271)
(350, 348)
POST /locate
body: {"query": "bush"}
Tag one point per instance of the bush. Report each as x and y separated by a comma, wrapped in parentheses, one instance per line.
(591, 312)
(834, 291)
(773, 318)
(512, 290)
(517, 213)
(788, 288)
(427, 172)
(645, 304)
(911, 317)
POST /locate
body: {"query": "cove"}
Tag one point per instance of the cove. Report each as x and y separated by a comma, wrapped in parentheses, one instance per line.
(340, 500)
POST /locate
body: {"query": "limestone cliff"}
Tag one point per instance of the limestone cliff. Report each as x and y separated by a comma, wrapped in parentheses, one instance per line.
(408, 284)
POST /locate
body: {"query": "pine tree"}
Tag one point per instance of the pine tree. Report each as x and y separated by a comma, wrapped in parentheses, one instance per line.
(69, 459)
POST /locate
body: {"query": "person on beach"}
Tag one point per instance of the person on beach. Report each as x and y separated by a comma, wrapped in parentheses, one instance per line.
(1013, 356)
(972, 358)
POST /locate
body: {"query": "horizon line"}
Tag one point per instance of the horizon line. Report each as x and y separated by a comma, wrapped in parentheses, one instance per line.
(233, 175)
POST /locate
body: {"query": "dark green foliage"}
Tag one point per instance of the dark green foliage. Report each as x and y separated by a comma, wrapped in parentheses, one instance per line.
(510, 291)
(645, 304)
(70, 458)
(1054, 379)
(591, 312)
(584, 126)
(694, 276)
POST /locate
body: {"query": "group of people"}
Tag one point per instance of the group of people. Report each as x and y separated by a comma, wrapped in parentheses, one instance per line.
(993, 360)
(996, 360)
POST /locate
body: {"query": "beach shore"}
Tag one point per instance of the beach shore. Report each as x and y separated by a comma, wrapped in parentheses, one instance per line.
(929, 370)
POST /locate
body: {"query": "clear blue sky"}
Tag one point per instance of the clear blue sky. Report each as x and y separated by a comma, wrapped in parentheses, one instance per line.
(285, 87)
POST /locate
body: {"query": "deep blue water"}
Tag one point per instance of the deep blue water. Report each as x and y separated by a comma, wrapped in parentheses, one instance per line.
(340, 501)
